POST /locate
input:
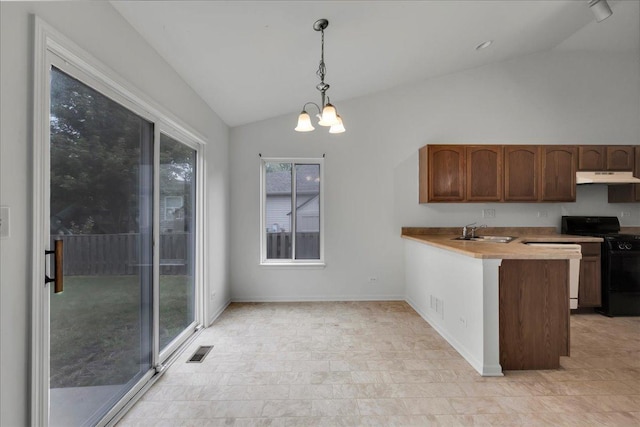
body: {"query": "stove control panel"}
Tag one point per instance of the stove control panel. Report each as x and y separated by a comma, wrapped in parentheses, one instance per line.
(626, 244)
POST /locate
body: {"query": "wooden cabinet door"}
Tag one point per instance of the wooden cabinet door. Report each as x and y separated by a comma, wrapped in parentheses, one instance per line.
(529, 291)
(590, 290)
(591, 157)
(521, 173)
(627, 193)
(484, 173)
(605, 157)
(446, 173)
(620, 158)
(558, 173)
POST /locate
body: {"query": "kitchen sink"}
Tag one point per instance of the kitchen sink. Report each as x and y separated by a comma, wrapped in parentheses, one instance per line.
(494, 239)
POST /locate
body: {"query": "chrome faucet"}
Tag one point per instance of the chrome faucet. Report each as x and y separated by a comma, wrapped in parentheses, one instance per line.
(464, 230)
(469, 231)
(473, 230)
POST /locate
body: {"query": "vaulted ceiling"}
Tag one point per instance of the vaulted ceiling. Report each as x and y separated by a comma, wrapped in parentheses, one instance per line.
(252, 60)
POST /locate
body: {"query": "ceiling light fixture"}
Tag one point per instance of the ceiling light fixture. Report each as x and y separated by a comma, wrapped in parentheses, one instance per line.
(600, 9)
(326, 112)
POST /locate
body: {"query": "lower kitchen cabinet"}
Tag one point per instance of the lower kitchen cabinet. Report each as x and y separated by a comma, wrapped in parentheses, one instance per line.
(590, 290)
(533, 313)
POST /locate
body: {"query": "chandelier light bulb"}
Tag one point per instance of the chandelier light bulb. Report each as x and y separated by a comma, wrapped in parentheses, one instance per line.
(338, 127)
(329, 116)
(304, 122)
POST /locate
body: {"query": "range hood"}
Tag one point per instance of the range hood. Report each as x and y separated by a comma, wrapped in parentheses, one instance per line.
(605, 177)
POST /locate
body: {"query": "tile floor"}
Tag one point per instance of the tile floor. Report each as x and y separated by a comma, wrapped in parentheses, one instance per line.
(381, 364)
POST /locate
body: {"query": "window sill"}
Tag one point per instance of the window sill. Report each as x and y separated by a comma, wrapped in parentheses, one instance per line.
(294, 265)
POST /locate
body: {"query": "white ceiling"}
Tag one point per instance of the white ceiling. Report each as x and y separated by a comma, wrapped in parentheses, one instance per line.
(252, 60)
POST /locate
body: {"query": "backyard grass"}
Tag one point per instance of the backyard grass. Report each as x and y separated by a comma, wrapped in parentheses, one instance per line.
(96, 327)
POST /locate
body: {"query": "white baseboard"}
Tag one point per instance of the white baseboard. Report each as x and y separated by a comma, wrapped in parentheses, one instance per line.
(485, 371)
(321, 298)
(218, 312)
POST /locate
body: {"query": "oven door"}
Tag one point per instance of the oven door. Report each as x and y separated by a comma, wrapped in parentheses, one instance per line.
(622, 271)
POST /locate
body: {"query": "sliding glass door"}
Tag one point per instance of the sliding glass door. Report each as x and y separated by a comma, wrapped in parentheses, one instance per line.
(101, 200)
(117, 185)
(177, 238)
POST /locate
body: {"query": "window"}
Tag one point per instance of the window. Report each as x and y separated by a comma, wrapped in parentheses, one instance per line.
(172, 207)
(291, 211)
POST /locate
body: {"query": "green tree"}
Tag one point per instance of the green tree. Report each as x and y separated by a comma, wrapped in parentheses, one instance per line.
(95, 159)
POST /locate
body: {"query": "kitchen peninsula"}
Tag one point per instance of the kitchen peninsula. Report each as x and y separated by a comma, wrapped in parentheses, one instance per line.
(500, 305)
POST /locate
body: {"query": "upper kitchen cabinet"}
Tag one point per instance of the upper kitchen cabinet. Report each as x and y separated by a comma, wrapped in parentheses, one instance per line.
(484, 173)
(558, 173)
(442, 173)
(591, 157)
(627, 193)
(521, 173)
(605, 158)
(620, 158)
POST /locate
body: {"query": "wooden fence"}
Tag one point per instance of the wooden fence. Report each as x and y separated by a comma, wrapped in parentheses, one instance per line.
(307, 245)
(119, 254)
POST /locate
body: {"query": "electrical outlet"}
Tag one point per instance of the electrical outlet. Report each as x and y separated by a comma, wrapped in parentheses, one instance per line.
(4, 222)
(463, 322)
(542, 214)
(625, 213)
(488, 213)
(373, 279)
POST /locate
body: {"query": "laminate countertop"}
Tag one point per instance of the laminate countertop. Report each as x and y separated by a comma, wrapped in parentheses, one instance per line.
(444, 238)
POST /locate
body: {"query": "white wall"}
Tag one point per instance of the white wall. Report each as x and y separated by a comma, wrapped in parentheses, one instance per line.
(101, 31)
(458, 296)
(371, 171)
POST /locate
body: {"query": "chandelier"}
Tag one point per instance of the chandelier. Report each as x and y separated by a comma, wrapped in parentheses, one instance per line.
(327, 114)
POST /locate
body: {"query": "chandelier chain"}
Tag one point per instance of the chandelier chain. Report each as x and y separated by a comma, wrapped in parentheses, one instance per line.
(322, 69)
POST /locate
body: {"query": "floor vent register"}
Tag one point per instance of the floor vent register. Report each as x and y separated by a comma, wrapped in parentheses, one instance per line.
(200, 354)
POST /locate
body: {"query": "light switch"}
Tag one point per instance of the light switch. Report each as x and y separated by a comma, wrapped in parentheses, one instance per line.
(4, 222)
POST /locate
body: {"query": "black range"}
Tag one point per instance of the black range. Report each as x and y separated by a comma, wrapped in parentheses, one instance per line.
(620, 262)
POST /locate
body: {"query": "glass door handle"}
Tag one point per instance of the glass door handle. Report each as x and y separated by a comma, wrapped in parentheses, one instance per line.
(58, 281)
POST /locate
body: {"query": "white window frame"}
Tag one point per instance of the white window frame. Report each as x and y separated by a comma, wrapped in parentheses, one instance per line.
(52, 48)
(264, 261)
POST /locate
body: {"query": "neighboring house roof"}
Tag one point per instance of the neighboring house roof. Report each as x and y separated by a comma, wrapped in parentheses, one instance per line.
(306, 181)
